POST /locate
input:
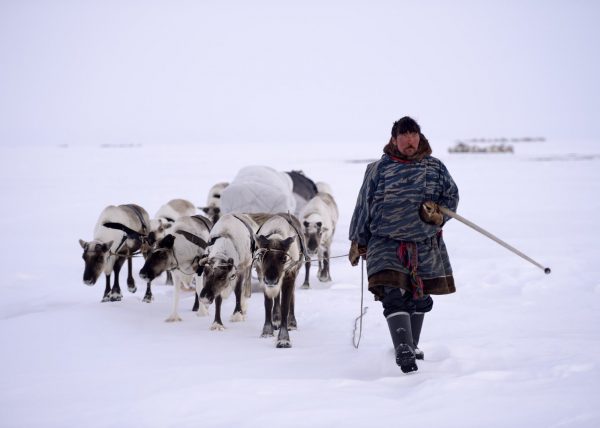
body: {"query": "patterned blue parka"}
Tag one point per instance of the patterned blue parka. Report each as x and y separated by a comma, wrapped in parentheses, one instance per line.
(402, 250)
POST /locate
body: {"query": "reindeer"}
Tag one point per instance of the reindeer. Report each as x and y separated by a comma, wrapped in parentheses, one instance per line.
(163, 220)
(180, 252)
(279, 255)
(166, 216)
(118, 234)
(213, 202)
(319, 218)
(227, 265)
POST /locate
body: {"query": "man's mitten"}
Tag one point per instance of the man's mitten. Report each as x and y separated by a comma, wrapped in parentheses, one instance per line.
(356, 252)
(430, 213)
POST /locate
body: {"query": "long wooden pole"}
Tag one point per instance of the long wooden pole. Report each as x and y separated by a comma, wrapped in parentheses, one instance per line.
(460, 218)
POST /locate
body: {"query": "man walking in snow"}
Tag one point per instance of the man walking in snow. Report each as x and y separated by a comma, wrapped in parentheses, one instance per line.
(397, 227)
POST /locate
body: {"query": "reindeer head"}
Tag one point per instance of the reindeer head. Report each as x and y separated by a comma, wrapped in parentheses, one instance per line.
(218, 274)
(158, 230)
(160, 259)
(313, 230)
(272, 259)
(212, 212)
(95, 256)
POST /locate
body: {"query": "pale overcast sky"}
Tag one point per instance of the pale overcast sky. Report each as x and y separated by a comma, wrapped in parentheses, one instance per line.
(124, 71)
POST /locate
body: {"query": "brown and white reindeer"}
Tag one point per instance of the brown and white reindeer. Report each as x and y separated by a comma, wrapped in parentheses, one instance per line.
(166, 215)
(180, 252)
(164, 218)
(213, 202)
(118, 234)
(278, 257)
(319, 218)
(227, 265)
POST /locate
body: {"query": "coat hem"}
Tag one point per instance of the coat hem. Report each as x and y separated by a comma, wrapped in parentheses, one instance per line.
(392, 278)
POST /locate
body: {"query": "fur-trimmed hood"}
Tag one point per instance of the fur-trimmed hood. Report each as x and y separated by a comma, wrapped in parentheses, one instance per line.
(423, 150)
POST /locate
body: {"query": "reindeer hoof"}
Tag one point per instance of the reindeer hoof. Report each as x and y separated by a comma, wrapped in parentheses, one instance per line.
(202, 310)
(217, 327)
(237, 317)
(324, 278)
(105, 299)
(147, 299)
(173, 318)
(305, 286)
(132, 289)
(116, 298)
(267, 331)
(284, 343)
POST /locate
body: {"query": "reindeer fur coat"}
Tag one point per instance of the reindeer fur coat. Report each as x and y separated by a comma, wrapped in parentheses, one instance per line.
(402, 250)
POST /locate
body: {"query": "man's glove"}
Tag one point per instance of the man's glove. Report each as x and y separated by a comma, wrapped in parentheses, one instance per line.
(430, 213)
(356, 252)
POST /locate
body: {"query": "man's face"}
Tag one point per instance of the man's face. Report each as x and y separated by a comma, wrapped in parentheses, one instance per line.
(408, 143)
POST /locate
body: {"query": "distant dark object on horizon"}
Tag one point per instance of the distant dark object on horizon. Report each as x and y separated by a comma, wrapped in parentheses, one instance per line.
(494, 148)
(120, 146)
(503, 140)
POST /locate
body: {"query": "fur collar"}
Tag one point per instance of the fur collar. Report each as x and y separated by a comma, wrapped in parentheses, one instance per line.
(424, 150)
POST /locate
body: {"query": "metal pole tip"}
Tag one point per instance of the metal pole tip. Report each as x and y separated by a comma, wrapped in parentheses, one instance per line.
(547, 271)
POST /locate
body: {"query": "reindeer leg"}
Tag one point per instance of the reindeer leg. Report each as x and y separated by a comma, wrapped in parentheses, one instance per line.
(196, 302)
(115, 294)
(277, 311)
(106, 297)
(247, 291)
(306, 284)
(324, 273)
(292, 323)
(148, 296)
(248, 286)
(169, 280)
(217, 323)
(174, 315)
(238, 314)
(130, 281)
(200, 307)
(268, 327)
(287, 290)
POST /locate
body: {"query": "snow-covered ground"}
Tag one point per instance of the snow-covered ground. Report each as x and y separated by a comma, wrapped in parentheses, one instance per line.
(512, 347)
